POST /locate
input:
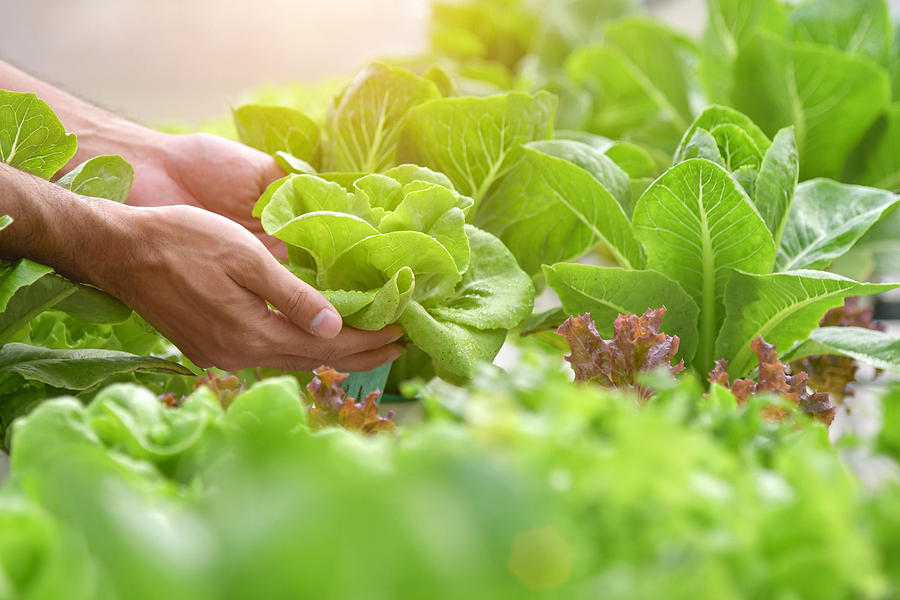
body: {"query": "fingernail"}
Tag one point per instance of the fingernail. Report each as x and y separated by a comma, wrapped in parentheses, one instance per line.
(395, 355)
(326, 324)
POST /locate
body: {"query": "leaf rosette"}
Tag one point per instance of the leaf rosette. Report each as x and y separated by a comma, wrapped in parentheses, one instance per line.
(395, 248)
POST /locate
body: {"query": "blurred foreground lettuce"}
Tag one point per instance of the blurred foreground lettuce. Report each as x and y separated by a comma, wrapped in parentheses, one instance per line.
(535, 487)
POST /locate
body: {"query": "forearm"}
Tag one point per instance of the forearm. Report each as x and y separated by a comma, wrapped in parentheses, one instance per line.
(98, 131)
(80, 237)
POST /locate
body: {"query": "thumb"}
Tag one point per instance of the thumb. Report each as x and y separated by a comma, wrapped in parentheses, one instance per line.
(303, 305)
(269, 170)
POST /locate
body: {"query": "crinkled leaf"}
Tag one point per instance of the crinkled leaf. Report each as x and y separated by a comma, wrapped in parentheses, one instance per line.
(435, 211)
(108, 177)
(375, 309)
(472, 140)
(773, 379)
(324, 235)
(697, 225)
(31, 137)
(454, 349)
(827, 218)
(371, 262)
(637, 346)
(77, 369)
(331, 407)
(364, 126)
(494, 293)
(549, 210)
(606, 293)
(225, 390)
(783, 308)
(302, 194)
(273, 129)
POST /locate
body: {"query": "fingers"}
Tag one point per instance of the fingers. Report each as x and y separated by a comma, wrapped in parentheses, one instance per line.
(283, 337)
(301, 304)
(270, 171)
(361, 361)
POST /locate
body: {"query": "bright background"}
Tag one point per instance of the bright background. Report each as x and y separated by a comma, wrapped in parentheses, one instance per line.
(157, 60)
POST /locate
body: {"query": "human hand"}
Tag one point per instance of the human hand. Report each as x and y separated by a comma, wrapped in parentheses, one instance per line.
(208, 172)
(204, 281)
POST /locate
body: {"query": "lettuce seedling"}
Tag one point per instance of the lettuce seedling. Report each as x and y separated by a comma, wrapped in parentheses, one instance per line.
(397, 249)
(733, 247)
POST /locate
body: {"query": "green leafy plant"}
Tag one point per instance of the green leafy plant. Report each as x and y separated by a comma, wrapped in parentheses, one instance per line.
(397, 249)
(125, 498)
(547, 200)
(824, 67)
(732, 244)
(360, 133)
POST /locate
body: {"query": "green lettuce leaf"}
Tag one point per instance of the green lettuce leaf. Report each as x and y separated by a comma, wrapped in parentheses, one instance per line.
(367, 118)
(371, 310)
(77, 369)
(783, 308)
(549, 210)
(278, 129)
(830, 98)
(371, 262)
(108, 177)
(27, 289)
(455, 349)
(776, 183)
(494, 293)
(697, 225)
(826, 220)
(856, 27)
(31, 137)
(875, 348)
(729, 25)
(640, 82)
(471, 140)
(607, 293)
